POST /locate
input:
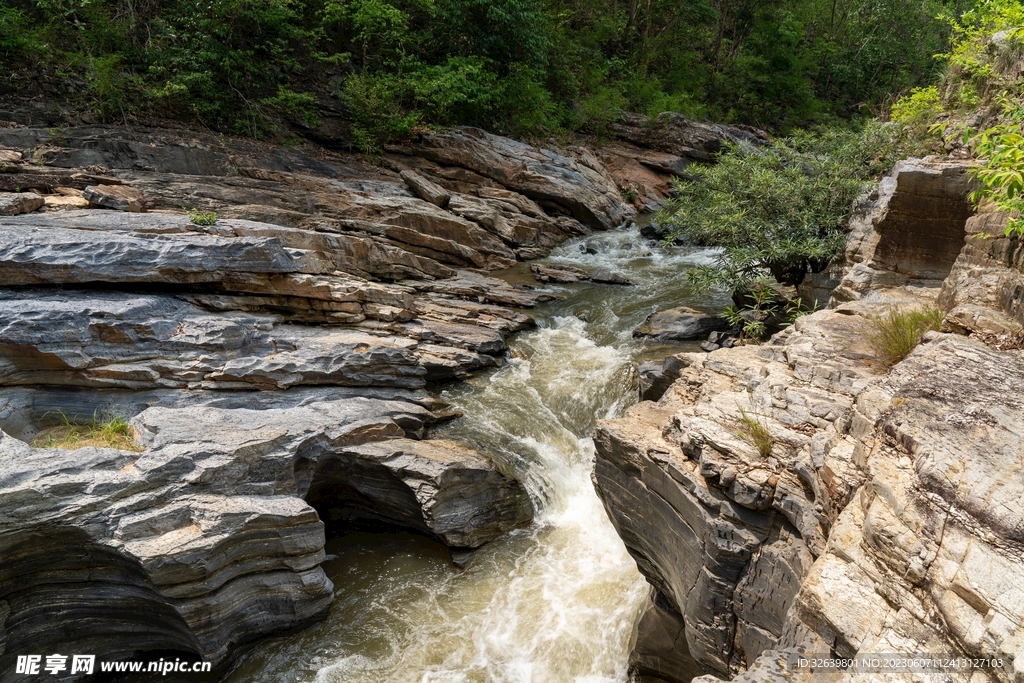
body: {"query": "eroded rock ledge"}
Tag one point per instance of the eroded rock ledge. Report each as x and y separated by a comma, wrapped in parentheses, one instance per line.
(887, 517)
(218, 525)
(273, 362)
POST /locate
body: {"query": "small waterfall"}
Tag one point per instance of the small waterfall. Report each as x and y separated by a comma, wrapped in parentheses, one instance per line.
(556, 602)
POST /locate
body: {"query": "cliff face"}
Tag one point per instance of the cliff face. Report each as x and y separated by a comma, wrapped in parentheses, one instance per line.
(887, 517)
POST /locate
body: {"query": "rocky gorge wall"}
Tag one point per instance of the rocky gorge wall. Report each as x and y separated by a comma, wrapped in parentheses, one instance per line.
(886, 518)
(275, 364)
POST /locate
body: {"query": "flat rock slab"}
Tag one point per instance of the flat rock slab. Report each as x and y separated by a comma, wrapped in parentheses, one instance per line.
(555, 273)
(150, 341)
(425, 189)
(680, 324)
(116, 197)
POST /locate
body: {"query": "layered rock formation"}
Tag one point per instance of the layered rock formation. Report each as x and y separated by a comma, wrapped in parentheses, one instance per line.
(647, 154)
(909, 231)
(801, 499)
(272, 360)
(217, 526)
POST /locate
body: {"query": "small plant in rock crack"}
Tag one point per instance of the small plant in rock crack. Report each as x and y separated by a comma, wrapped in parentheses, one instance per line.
(752, 318)
(203, 218)
(754, 430)
(897, 332)
(797, 309)
(101, 432)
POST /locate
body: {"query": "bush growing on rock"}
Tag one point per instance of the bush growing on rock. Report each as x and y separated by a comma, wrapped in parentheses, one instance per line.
(780, 210)
(202, 218)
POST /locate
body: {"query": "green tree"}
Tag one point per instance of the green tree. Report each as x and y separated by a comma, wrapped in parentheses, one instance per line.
(780, 210)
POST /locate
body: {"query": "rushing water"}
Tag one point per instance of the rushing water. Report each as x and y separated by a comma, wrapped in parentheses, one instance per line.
(553, 603)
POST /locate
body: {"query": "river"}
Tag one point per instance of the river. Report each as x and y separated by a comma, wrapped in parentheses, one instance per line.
(556, 602)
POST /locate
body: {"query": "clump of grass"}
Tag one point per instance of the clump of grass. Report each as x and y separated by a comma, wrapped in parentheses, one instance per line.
(754, 430)
(204, 218)
(897, 332)
(106, 432)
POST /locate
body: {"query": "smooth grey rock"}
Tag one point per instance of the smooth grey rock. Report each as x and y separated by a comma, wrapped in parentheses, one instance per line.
(25, 411)
(149, 341)
(556, 273)
(680, 324)
(660, 650)
(653, 381)
(34, 256)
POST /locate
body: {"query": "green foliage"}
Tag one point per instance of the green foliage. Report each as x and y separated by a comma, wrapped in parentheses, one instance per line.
(779, 210)
(1001, 178)
(760, 300)
(523, 67)
(922, 105)
(797, 309)
(203, 218)
(754, 430)
(109, 431)
(896, 333)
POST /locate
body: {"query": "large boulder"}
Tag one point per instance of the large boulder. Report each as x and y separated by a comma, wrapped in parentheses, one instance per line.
(724, 533)
(920, 562)
(577, 186)
(681, 324)
(674, 134)
(13, 203)
(982, 295)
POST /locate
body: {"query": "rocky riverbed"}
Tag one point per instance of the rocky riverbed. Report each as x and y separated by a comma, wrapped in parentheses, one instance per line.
(282, 364)
(276, 354)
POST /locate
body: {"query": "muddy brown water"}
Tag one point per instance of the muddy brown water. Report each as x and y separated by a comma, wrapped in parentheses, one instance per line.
(556, 602)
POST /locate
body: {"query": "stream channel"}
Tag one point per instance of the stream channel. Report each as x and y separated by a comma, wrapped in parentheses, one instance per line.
(556, 602)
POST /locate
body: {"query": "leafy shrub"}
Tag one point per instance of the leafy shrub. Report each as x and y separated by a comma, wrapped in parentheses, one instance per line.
(920, 106)
(896, 333)
(780, 210)
(1001, 178)
(203, 218)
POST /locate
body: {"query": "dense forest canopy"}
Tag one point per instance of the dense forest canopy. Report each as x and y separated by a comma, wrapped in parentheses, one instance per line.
(522, 67)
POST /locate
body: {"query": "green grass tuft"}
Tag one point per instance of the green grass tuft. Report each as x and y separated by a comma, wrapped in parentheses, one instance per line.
(897, 332)
(106, 432)
(754, 430)
(204, 218)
